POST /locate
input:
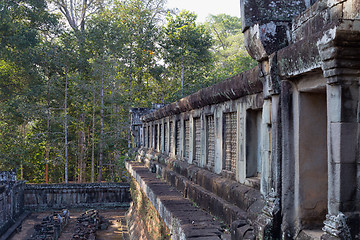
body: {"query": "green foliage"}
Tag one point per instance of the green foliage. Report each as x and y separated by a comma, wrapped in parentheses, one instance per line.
(229, 50)
(186, 52)
(126, 53)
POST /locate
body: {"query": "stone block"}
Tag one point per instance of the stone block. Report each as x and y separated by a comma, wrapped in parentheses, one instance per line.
(261, 40)
(299, 58)
(351, 9)
(341, 193)
(260, 11)
(343, 142)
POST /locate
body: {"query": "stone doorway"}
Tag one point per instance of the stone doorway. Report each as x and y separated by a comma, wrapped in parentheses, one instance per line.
(312, 167)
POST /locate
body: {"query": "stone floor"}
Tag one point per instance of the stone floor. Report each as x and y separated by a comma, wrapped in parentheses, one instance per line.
(116, 230)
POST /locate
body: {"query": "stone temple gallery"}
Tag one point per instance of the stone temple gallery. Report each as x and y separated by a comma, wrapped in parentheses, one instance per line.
(270, 153)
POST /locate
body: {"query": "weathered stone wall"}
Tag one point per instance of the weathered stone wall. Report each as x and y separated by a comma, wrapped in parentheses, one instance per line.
(310, 60)
(289, 127)
(183, 217)
(89, 195)
(11, 200)
(144, 222)
(226, 199)
(209, 142)
(223, 109)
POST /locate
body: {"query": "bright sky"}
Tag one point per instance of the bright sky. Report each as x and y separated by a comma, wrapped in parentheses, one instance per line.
(203, 8)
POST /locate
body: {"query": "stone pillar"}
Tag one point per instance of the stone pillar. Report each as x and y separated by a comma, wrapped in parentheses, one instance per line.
(150, 135)
(182, 137)
(153, 135)
(191, 139)
(172, 136)
(162, 147)
(268, 223)
(241, 125)
(167, 146)
(159, 133)
(339, 50)
(265, 186)
(218, 122)
(288, 161)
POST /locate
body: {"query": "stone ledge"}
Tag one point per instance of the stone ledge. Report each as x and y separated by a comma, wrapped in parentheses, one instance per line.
(235, 87)
(184, 220)
(12, 228)
(179, 174)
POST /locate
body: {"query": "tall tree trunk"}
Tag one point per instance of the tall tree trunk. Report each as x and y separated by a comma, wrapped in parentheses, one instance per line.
(93, 140)
(47, 136)
(129, 106)
(47, 150)
(21, 170)
(129, 98)
(182, 76)
(65, 126)
(22, 160)
(81, 163)
(101, 129)
(112, 130)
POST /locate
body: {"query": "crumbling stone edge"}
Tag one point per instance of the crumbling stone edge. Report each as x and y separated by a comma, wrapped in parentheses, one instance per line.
(177, 218)
(235, 204)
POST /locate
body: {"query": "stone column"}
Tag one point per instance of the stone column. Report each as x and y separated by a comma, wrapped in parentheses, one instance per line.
(150, 135)
(191, 139)
(182, 137)
(159, 126)
(167, 147)
(172, 135)
(288, 161)
(339, 49)
(268, 223)
(203, 138)
(218, 124)
(241, 126)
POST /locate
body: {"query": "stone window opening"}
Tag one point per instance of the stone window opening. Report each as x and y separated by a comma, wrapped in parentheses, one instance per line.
(253, 143)
(166, 139)
(230, 143)
(145, 137)
(160, 148)
(197, 141)
(186, 140)
(177, 137)
(156, 136)
(171, 134)
(148, 137)
(210, 142)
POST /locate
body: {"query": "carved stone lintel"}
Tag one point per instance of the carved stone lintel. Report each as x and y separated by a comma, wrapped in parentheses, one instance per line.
(335, 226)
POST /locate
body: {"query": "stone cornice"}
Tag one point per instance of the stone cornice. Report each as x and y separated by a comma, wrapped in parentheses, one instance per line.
(246, 83)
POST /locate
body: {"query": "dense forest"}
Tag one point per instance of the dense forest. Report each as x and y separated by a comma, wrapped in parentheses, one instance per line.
(71, 69)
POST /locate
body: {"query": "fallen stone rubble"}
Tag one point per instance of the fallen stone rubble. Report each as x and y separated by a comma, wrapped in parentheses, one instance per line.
(51, 226)
(87, 224)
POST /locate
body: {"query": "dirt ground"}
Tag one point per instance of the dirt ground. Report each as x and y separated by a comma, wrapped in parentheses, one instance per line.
(116, 230)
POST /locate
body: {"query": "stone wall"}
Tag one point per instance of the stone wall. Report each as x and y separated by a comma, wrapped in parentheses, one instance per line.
(89, 195)
(210, 146)
(11, 200)
(216, 109)
(288, 128)
(143, 221)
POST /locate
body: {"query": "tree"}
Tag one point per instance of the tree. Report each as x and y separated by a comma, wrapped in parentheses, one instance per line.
(21, 22)
(186, 47)
(231, 56)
